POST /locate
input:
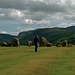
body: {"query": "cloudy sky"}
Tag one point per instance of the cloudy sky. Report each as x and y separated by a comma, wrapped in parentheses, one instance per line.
(23, 15)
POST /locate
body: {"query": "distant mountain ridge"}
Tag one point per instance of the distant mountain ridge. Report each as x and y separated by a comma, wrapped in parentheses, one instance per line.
(51, 34)
(6, 38)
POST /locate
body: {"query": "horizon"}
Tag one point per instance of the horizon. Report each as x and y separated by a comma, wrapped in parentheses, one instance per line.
(31, 30)
(23, 15)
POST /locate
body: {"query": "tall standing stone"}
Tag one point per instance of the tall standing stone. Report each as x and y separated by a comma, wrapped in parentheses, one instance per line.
(64, 44)
(43, 42)
(15, 42)
(29, 43)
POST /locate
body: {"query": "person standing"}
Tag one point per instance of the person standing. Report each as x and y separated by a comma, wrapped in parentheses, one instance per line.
(36, 42)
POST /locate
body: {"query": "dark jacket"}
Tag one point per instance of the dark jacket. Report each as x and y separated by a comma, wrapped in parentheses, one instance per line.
(35, 41)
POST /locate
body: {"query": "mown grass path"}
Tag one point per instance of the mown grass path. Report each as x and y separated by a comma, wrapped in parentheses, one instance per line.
(47, 61)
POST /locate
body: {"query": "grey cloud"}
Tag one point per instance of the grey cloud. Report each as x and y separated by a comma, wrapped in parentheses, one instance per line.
(10, 14)
(69, 2)
(72, 24)
(69, 17)
(31, 22)
(44, 7)
(38, 16)
(26, 29)
(36, 9)
(32, 5)
(14, 4)
(43, 22)
(65, 24)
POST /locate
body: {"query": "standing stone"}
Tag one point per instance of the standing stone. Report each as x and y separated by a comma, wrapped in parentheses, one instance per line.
(49, 45)
(64, 44)
(15, 42)
(29, 43)
(43, 42)
(4, 44)
(58, 44)
(9, 44)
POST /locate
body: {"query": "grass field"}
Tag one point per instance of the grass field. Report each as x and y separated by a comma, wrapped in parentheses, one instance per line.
(47, 61)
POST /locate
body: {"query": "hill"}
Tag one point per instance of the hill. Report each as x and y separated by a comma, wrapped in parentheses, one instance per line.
(51, 34)
(6, 38)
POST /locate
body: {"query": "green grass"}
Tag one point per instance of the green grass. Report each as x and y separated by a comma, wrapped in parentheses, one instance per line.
(47, 61)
